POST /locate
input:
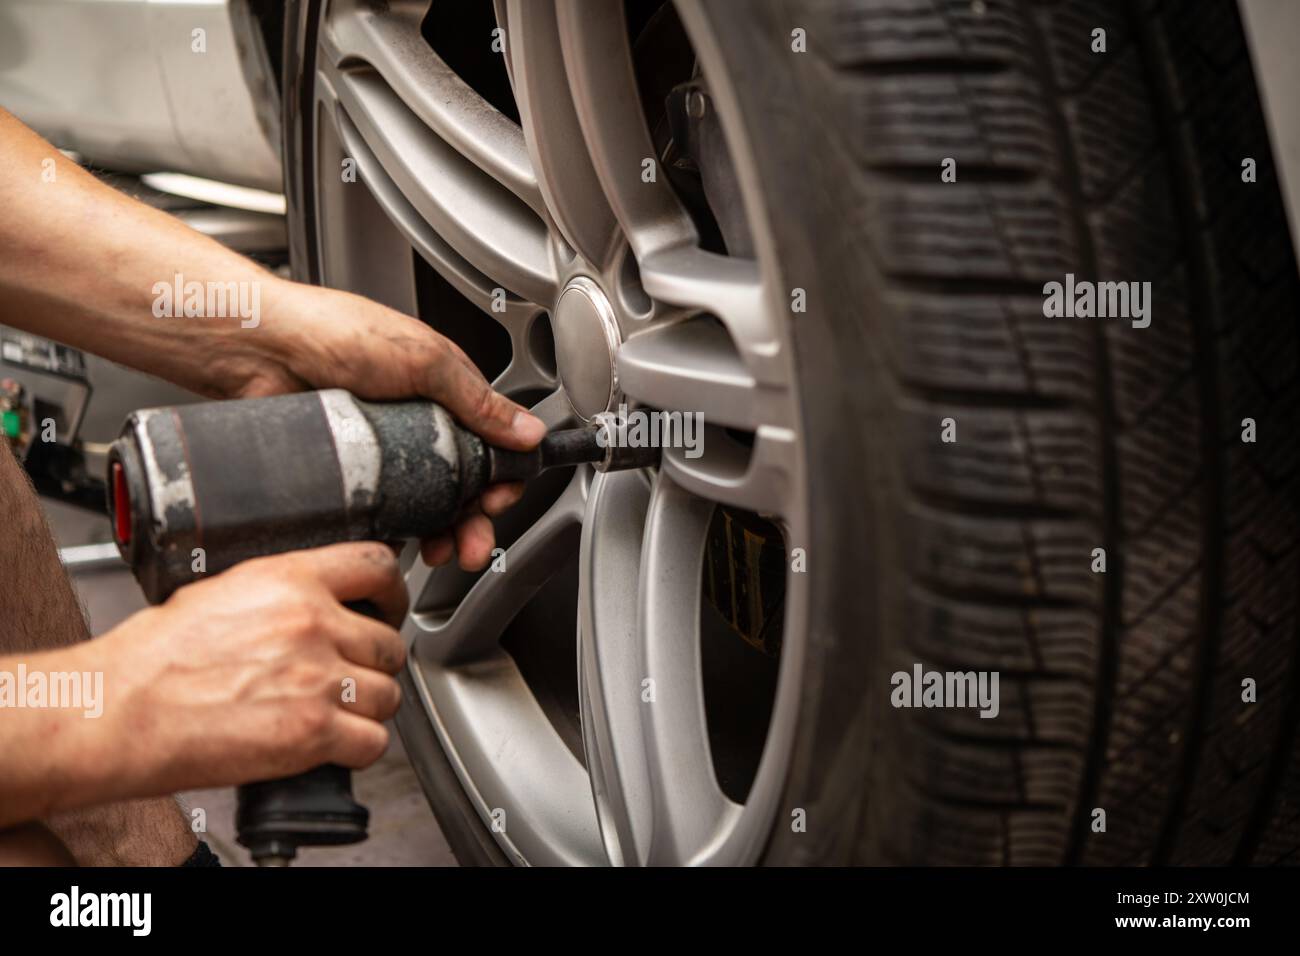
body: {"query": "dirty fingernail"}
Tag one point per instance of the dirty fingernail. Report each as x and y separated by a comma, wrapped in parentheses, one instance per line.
(528, 428)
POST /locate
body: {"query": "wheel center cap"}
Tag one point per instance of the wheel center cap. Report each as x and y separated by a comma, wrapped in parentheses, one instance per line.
(586, 341)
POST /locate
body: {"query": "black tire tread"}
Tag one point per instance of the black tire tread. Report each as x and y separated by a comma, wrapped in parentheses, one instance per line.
(1120, 691)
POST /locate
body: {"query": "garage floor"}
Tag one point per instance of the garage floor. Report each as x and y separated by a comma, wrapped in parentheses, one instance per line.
(403, 831)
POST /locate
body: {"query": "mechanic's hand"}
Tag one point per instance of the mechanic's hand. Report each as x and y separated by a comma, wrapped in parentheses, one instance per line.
(242, 676)
(313, 337)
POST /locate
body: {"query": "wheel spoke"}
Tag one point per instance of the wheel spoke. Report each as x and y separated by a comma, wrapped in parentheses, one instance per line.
(386, 37)
(610, 663)
(689, 809)
(472, 630)
(757, 477)
(499, 236)
(555, 411)
(383, 269)
(555, 142)
(508, 309)
(694, 366)
(522, 375)
(598, 60)
(728, 288)
(528, 788)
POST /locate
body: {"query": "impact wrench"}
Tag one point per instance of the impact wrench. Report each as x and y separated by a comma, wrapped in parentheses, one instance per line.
(196, 489)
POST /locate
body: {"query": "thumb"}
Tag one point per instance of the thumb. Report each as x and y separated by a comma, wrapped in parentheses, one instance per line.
(463, 391)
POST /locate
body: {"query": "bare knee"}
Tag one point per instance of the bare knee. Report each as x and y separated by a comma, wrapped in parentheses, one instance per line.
(32, 844)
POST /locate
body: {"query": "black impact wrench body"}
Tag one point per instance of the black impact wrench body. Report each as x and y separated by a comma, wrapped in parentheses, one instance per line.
(196, 489)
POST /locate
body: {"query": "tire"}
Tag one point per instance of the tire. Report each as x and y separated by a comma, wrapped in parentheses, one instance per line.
(1121, 690)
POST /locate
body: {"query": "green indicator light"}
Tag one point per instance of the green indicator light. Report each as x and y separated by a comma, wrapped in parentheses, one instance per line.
(11, 424)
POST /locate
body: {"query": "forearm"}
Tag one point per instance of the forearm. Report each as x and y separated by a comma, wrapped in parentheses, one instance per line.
(84, 264)
(54, 753)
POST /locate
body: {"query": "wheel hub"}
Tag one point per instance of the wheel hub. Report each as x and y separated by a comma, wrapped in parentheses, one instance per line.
(586, 340)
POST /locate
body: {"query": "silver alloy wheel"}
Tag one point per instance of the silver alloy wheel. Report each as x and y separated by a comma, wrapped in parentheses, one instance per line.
(521, 219)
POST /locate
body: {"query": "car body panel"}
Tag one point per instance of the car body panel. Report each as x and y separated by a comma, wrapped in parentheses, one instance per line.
(121, 83)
